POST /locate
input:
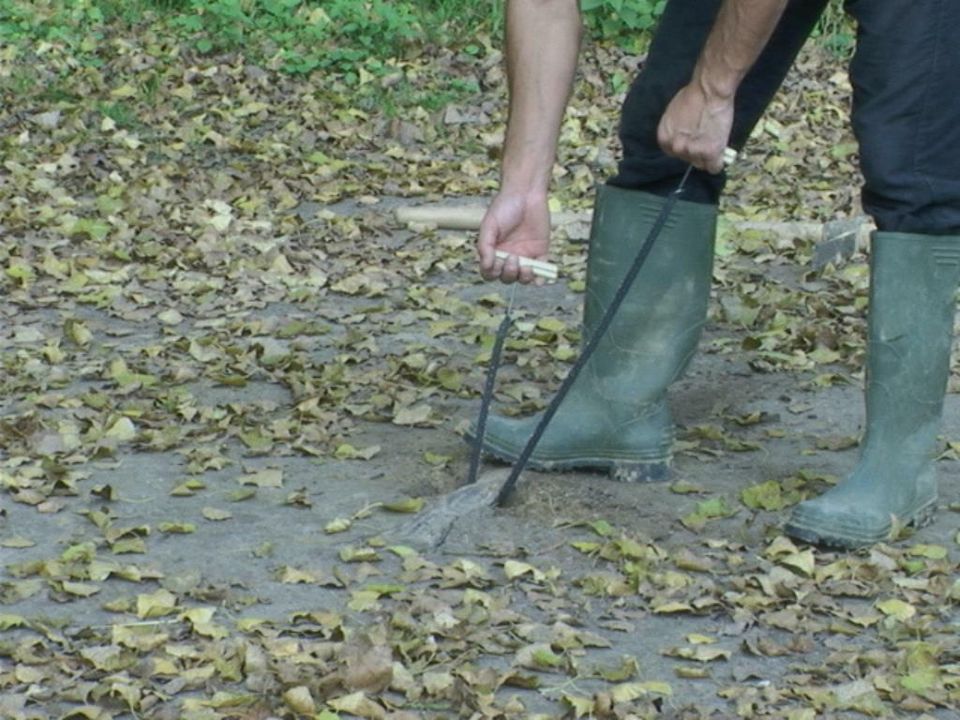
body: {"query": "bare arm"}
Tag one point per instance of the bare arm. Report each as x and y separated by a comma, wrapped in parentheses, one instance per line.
(696, 125)
(543, 41)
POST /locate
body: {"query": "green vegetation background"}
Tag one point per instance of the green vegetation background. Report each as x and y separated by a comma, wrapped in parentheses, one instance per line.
(347, 37)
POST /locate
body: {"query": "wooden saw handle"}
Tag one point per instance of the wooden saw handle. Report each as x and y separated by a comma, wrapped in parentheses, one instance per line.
(545, 270)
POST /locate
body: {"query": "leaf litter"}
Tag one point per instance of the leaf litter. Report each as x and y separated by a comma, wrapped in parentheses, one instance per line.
(215, 280)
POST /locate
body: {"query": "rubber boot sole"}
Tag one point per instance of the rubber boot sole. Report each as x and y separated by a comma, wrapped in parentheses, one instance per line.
(620, 469)
(849, 536)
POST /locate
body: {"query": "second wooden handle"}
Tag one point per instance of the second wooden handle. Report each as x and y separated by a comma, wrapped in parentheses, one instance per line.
(546, 270)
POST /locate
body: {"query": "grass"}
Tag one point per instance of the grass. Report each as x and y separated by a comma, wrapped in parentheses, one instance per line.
(320, 34)
(836, 30)
(348, 40)
(381, 27)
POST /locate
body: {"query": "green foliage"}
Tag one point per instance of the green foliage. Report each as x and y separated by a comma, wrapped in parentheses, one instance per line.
(344, 36)
(836, 31)
(120, 113)
(46, 21)
(356, 33)
(299, 36)
(626, 22)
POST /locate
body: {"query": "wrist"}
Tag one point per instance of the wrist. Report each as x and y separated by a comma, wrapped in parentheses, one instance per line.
(717, 85)
(528, 175)
(532, 187)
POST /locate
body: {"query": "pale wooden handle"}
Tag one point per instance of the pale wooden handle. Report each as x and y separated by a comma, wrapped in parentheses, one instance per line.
(546, 270)
(468, 217)
(450, 217)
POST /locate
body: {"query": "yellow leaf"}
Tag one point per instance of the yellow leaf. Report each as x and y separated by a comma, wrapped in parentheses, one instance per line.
(803, 562)
(184, 92)
(932, 552)
(672, 607)
(80, 589)
(539, 656)
(281, 265)
(128, 546)
(337, 525)
(353, 554)
(552, 325)
(214, 514)
(251, 108)
(780, 546)
(267, 478)
(346, 451)
(170, 317)
(17, 543)
(152, 605)
(514, 569)
(202, 353)
(179, 528)
(405, 505)
(300, 700)
(294, 576)
(627, 692)
(436, 460)
(898, 609)
(707, 654)
(437, 683)
(123, 430)
(188, 488)
(220, 222)
(124, 91)
(198, 615)
(414, 415)
(358, 704)
(77, 331)
(581, 706)
(11, 621)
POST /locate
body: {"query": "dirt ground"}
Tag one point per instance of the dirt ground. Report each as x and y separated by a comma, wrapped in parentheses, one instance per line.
(717, 616)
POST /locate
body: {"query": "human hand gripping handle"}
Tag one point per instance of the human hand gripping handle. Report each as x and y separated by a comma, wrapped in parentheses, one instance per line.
(696, 128)
(515, 229)
(697, 123)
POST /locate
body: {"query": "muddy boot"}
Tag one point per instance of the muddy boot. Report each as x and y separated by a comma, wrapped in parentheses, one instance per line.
(913, 279)
(615, 417)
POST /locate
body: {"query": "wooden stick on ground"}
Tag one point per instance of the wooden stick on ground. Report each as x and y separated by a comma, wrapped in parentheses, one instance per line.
(467, 217)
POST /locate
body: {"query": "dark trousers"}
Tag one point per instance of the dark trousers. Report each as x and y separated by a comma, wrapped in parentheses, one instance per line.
(906, 104)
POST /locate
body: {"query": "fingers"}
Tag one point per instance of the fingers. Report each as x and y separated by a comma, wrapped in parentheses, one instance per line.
(496, 265)
(689, 148)
(490, 267)
(712, 163)
(513, 240)
(709, 160)
(540, 268)
(512, 271)
(501, 266)
(508, 268)
(696, 129)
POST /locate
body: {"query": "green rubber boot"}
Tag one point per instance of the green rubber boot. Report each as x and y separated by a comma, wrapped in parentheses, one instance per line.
(913, 279)
(615, 417)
